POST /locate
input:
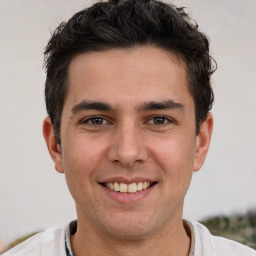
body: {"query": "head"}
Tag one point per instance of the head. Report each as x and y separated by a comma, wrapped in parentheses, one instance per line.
(126, 24)
(128, 94)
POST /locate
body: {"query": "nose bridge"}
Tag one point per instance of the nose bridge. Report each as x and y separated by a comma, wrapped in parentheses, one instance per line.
(128, 146)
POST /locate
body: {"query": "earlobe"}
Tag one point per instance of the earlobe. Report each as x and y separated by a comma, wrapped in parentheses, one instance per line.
(203, 142)
(51, 142)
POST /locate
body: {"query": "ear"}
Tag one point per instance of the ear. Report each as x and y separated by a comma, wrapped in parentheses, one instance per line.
(203, 142)
(51, 142)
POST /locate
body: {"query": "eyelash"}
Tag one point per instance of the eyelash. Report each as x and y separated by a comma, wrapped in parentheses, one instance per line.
(89, 120)
(167, 120)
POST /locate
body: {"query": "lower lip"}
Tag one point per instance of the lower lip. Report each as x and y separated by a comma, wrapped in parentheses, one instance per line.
(128, 197)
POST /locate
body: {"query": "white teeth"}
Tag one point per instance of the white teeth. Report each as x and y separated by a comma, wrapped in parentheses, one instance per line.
(139, 186)
(123, 188)
(132, 188)
(145, 185)
(128, 188)
(116, 186)
(111, 185)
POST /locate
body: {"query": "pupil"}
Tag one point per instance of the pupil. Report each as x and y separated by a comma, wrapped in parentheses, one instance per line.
(97, 121)
(158, 120)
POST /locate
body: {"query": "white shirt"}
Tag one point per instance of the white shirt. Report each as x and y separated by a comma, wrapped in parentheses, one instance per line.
(52, 243)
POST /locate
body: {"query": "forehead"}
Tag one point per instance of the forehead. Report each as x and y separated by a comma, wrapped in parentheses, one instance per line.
(128, 74)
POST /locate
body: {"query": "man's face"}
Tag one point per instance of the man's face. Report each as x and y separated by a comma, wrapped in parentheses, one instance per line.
(128, 123)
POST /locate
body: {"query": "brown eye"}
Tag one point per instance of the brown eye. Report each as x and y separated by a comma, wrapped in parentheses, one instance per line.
(95, 120)
(159, 120)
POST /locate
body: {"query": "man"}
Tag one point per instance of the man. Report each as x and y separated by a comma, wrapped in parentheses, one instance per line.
(128, 95)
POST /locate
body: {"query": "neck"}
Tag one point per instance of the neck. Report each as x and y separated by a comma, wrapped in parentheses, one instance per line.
(173, 240)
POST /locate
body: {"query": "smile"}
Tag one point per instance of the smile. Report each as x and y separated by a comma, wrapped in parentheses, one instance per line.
(128, 188)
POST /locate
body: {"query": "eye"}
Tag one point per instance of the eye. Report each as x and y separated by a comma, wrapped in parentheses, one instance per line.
(159, 120)
(96, 120)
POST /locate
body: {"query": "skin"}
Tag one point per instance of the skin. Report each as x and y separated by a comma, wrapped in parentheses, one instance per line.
(131, 139)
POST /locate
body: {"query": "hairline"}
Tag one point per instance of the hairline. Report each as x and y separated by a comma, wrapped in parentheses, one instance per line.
(181, 60)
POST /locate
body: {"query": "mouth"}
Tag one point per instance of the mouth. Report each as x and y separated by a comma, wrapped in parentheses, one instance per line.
(128, 188)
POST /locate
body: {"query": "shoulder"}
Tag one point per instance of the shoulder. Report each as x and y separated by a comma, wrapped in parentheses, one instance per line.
(225, 247)
(50, 243)
(207, 244)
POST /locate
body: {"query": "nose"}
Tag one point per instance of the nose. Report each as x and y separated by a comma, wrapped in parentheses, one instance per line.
(128, 147)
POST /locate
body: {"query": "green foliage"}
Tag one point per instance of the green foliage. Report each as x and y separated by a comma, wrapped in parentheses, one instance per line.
(240, 228)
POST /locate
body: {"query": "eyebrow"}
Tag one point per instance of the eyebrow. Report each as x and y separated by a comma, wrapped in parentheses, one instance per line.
(91, 105)
(102, 106)
(168, 104)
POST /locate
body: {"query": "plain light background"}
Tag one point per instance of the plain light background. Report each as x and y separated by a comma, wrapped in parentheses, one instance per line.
(33, 196)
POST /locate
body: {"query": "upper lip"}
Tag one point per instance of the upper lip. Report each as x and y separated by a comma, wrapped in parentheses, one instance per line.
(127, 180)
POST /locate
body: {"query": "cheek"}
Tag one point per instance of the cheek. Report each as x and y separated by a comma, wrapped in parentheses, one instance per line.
(176, 158)
(80, 160)
(175, 150)
(81, 153)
